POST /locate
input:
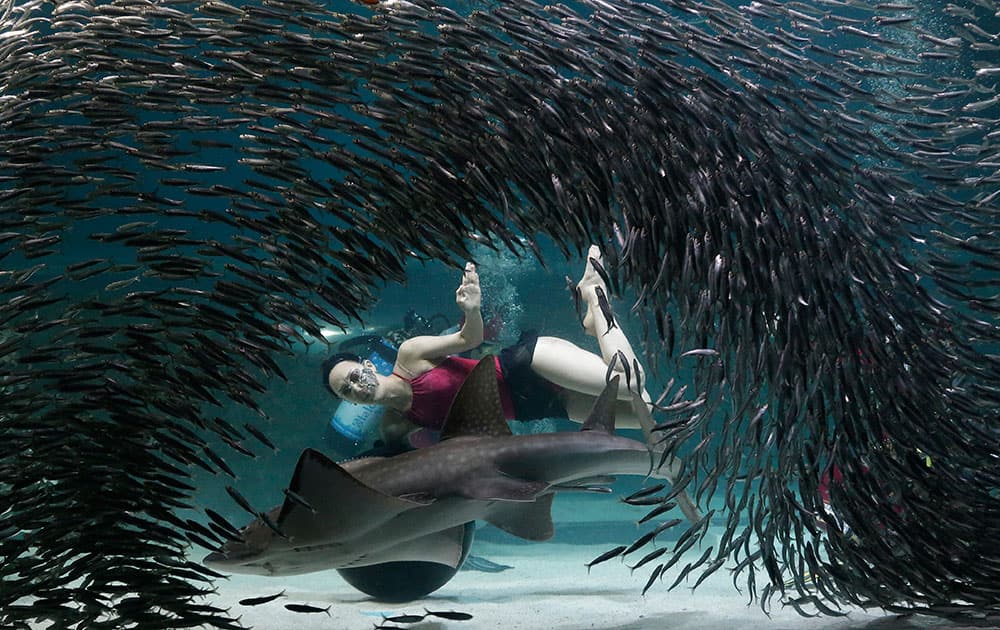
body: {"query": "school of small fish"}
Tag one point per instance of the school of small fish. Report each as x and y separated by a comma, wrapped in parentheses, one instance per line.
(802, 200)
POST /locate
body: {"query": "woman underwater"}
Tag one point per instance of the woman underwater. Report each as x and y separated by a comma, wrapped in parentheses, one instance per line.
(539, 376)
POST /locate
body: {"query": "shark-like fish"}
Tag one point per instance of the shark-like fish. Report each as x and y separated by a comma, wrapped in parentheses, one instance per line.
(413, 506)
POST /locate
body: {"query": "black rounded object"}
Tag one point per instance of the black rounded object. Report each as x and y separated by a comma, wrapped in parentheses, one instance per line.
(405, 581)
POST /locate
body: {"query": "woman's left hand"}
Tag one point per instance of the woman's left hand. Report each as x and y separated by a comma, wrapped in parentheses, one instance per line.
(468, 296)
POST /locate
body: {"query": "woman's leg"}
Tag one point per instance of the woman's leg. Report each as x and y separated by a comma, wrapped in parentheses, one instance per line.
(577, 370)
(583, 374)
(578, 407)
(573, 368)
(570, 366)
(610, 336)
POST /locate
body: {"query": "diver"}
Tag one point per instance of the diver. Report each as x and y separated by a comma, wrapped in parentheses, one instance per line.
(539, 376)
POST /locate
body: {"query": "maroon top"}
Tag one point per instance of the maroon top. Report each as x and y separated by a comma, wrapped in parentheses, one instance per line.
(435, 390)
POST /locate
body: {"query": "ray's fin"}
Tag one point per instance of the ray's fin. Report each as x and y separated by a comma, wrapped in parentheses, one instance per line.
(477, 409)
(531, 521)
(343, 505)
(602, 414)
(443, 547)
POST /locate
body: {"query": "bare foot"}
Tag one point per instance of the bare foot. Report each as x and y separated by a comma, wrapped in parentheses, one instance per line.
(586, 288)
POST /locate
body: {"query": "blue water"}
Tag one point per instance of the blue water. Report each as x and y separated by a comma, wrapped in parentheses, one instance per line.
(518, 294)
(518, 291)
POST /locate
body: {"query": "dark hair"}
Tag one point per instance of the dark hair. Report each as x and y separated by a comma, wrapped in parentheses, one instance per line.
(329, 364)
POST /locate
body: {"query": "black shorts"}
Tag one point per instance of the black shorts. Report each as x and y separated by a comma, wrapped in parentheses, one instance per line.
(534, 397)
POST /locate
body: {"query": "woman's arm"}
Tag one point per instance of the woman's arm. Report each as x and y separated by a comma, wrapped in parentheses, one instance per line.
(419, 354)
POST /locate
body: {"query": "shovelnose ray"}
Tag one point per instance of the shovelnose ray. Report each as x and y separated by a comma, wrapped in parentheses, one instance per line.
(413, 506)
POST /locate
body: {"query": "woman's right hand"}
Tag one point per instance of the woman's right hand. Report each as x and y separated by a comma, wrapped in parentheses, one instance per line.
(468, 295)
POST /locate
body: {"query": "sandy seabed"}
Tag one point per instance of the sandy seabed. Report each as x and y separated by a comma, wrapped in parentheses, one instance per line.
(547, 588)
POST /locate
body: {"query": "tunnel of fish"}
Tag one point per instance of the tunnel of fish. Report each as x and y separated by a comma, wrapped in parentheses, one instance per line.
(807, 191)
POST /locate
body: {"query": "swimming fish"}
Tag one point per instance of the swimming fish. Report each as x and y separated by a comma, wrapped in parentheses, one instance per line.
(790, 186)
(257, 601)
(649, 557)
(601, 271)
(306, 608)
(644, 492)
(384, 491)
(575, 292)
(605, 306)
(607, 555)
(451, 615)
(404, 618)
